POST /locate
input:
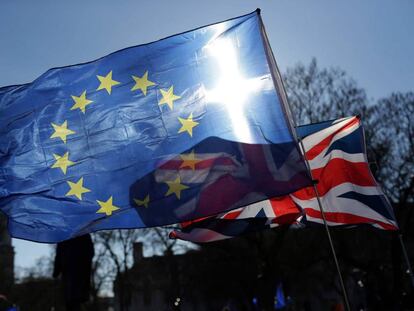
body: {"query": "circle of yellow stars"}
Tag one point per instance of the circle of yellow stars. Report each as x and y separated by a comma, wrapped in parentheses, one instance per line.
(81, 102)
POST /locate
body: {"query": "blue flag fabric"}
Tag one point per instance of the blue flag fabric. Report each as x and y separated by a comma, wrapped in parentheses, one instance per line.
(280, 301)
(82, 148)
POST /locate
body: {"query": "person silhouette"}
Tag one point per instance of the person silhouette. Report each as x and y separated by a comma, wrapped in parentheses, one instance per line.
(73, 261)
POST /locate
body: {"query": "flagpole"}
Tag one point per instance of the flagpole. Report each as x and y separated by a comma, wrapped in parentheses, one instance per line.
(407, 260)
(328, 233)
(403, 248)
(282, 93)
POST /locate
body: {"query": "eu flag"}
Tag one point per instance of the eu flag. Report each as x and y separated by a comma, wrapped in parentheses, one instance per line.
(181, 128)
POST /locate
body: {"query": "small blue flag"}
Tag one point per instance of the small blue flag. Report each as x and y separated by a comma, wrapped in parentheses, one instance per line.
(181, 128)
(280, 301)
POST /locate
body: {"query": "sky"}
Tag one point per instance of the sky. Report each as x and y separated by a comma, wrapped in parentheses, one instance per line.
(372, 40)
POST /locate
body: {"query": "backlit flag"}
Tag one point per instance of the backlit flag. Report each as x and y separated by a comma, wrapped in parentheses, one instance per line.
(348, 191)
(126, 141)
(255, 217)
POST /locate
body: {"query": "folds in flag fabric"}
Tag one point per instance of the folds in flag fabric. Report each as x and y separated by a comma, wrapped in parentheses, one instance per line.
(178, 129)
(349, 193)
(347, 189)
(255, 217)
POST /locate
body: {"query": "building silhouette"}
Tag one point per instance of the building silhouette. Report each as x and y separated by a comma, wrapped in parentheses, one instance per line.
(215, 277)
(6, 258)
(244, 273)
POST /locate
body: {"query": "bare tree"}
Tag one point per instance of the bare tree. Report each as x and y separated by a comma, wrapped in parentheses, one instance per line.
(322, 94)
(113, 259)
(42, 269)
(392, 145)
(157, 239)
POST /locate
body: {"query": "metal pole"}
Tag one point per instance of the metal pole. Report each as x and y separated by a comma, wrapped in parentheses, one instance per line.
(328, 233)
(407, 260)
(277, 78)
(281, 88)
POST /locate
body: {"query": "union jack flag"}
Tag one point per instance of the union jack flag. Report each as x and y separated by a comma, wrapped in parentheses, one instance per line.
(348, 192)
(217, 176)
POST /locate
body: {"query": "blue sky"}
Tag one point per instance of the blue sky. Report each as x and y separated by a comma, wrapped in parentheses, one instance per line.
(372, 40)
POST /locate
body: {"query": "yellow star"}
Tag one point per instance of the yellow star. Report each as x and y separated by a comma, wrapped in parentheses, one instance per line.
(144, 202)
(107, 207)
(189, 160)
(62, 162)
(168, 97)
(187, 125)
(61, 131)
(142, 83)
(80, 102)
(106, 82)
(176, 187)
(77, 189)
